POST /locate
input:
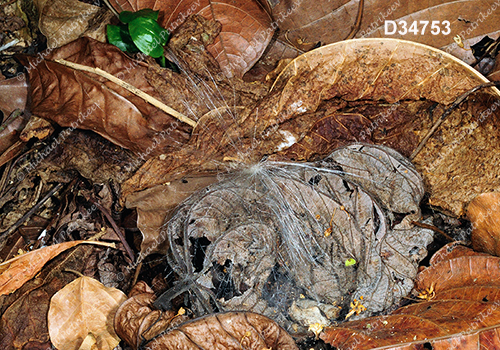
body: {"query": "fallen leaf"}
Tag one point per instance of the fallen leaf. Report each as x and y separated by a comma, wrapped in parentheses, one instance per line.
(16, 271)
(303, 27)
(81, 315)
(136, 319)
(62, 21)
(155, 204)
(246, 27)
(82, 100)
(23, 314)
(463, 313)
(483, 212)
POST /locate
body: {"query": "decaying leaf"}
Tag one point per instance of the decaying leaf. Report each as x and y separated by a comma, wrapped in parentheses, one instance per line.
(154, 204)
(462, 314)
(274, 238)
(86, 101)
(246, 27)
(139, 324)
(303, 27)
(484, 213)
(81, 315)
(16, 271)
(62, 21)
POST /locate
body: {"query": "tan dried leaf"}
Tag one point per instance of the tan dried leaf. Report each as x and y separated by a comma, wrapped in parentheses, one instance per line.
(81, 316)
(16, 271)
(63, 21)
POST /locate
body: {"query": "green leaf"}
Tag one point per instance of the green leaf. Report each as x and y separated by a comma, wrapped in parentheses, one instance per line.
(127, 16)
(120, 37)
(148, 36)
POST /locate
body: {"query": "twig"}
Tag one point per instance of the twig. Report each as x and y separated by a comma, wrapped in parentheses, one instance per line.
(457, 102)
(357, 24)
(4, 235)
(115, 228)
(132, 89)
(433, 228)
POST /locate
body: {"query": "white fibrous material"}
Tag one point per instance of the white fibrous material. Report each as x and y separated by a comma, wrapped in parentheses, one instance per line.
(298, 242)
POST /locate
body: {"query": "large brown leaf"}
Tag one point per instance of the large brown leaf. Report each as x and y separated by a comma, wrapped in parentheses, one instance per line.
(62, 21)
(86, 101)
(246, 27)
(383, 91)
(137, 320)
(463, 313)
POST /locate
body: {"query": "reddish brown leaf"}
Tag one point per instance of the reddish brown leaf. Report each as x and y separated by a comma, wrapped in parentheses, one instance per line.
(483, 212)
(246, 27)
(15, 272)
(23, 314)
(136, 320)
(86, 101)
(302, 26)
(383, 91)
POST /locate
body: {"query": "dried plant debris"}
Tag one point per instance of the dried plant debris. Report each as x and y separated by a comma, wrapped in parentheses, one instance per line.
(280, 238)
(143, 327)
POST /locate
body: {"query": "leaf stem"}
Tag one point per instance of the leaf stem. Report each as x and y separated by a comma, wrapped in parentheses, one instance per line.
(179, 116)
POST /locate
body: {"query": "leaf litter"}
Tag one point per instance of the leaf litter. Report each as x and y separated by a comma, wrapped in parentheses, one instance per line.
(222, 151)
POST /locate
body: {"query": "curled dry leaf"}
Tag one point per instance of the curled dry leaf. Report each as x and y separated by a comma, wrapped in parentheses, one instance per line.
(462, 313)
(138, 323)
(62, 21)
(81, 100)
(484, 213)
(16, 271)
(81, 315)
(246, 27)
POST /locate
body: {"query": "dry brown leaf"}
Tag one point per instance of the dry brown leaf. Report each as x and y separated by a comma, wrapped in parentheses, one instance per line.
(461, 311)
(136, 319)
(303, 26)
(81, 316)
(16, 271)
(483, 211)
(384, 91)
(86, 101)
(62, 21)
(155, 204)
(23, 314)
(246, 27)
